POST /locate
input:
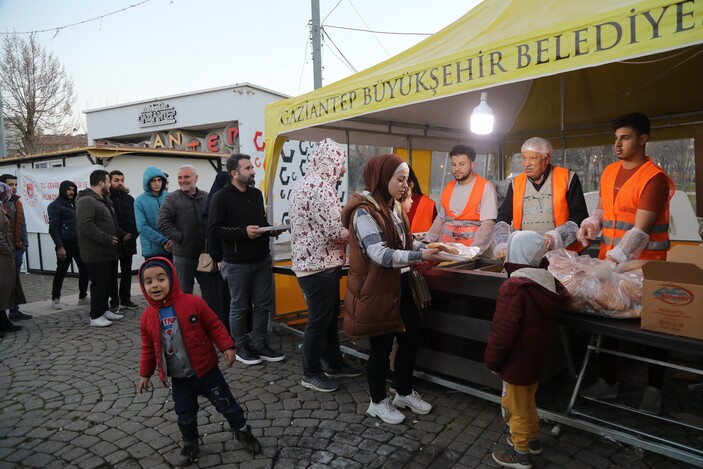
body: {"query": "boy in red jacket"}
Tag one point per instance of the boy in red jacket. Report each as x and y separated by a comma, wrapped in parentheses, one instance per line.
(523, 322)
(178, 330)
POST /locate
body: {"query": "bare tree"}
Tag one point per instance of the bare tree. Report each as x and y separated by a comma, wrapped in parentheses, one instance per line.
(37, 94)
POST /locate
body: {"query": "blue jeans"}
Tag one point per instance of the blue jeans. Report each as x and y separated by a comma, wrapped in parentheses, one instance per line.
(321, 340)
(250, 285)
(213, 386)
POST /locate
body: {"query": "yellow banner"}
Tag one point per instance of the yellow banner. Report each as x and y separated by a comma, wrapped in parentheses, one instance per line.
(635, 30)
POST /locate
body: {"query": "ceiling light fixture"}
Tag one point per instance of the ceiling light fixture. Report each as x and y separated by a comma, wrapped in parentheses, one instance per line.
(482, 117)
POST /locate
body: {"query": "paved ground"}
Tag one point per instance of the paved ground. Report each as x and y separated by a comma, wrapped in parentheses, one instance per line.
(69, 400)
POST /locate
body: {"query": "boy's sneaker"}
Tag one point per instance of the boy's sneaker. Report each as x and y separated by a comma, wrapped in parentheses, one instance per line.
(268, 354)
(56, 304)
(319, 383)
(652, 400)
(534, 445)
(248, 440)
(113, 316)
(511, 458)
(385, 411)
(189, 453)
(347, 370)
(102, 321)
(246, 355)
(84, 301)
(129, 304)
(414, 401)
(602, 390)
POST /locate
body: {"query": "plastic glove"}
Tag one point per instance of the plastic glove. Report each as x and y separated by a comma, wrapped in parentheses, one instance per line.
(500, 251)
(483, 237)
(630, 246)
(552, 240)
(590, 227)
(501, 232)
(562, 236)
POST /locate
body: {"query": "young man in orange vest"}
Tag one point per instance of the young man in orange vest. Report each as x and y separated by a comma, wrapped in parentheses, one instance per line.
(552, 204)
(633, 211)
(468, 205)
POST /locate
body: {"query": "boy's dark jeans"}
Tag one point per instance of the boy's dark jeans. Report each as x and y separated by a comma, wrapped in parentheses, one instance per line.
(321, 339)
(213, 386)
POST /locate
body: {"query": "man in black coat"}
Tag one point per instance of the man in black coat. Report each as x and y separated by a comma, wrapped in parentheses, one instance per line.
(123, 204)
(64, 232)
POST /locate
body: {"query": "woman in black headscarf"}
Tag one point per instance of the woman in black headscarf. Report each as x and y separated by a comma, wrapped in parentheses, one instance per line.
(378, 301)
(214, 289)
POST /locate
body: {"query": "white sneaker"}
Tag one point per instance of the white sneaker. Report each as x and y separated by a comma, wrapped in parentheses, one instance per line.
(385, 411)
(112, 316)
(102, 321)
(84, 301)
(56, 304)
(414, 401)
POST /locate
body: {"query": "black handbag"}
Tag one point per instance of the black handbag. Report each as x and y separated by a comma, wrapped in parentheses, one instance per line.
(419, 290)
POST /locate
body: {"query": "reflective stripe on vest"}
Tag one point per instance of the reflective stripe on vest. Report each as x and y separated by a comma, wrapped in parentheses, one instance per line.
(422, 218)
(560, 186)
(619, 213)
(462, 227)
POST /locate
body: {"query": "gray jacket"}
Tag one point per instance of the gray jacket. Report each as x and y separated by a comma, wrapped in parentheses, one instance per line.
(97, 225)
(181, 220)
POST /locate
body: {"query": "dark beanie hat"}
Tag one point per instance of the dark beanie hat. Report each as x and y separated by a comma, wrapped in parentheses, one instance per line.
(156, 262)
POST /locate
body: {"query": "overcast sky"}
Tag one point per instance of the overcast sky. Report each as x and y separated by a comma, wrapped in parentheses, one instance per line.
(164, 47)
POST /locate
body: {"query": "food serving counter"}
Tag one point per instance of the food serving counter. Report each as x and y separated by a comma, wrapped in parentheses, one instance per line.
(457, 328)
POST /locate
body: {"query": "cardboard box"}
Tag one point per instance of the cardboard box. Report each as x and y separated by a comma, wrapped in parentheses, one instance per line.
(672, 299)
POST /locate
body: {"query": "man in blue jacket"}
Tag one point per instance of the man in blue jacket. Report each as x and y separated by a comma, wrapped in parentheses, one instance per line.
(64, 232)
(146, 211)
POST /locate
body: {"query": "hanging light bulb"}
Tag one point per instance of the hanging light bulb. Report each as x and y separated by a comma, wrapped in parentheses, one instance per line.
(482, 117)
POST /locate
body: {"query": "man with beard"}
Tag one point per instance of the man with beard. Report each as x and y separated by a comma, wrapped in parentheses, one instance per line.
(98, 236)
(181, 220)
(241, 248)
(63, 229)
(468, 207)
(123, 204)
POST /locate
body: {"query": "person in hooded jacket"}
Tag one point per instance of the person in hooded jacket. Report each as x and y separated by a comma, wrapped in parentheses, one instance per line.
(146, 212)
(178, 330)
(318, 252)
(527, 306)
(63, 229)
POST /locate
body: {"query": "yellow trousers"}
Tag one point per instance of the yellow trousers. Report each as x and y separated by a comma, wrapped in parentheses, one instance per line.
(520, 413)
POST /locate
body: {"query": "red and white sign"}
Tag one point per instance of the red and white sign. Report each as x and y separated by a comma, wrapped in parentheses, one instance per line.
(39, 187)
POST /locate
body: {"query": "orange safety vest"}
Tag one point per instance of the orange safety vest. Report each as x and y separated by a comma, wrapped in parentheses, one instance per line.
(423, 216)
(619, 212)
(560, 186)
(454, 229)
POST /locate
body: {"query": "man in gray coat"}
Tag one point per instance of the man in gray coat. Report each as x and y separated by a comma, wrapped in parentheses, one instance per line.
(98, 237)
(181, 220)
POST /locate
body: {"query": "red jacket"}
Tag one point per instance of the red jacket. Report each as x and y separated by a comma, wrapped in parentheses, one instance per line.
(199, 327)
(522, 327)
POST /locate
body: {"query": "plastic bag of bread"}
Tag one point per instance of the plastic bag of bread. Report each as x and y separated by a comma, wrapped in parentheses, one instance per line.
(599, 287)
(455, 251)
